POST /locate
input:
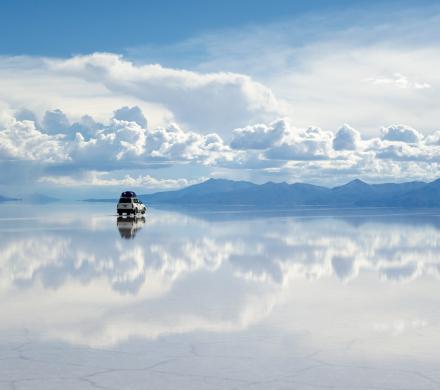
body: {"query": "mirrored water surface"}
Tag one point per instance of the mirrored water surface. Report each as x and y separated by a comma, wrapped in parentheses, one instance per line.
(306, 299)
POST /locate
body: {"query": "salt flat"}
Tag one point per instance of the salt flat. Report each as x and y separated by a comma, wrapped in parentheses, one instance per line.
(292, 300)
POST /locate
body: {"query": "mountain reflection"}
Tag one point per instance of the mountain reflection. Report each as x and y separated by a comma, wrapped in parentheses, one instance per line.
(129, 226)
(242, 268)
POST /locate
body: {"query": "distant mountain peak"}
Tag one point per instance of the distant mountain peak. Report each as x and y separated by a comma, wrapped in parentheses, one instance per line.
(356, 182)
(353, 185)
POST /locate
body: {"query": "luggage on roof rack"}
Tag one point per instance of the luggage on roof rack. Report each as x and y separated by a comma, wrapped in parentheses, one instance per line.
(128, 194)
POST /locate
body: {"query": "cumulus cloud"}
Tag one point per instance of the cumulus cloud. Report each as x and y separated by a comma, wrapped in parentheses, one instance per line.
(346, 138)
(55, 122)
(403, 152)
(21, 140)
(87, 112)
(280, 141)
(401, 133)
(124, 144)
(95, 145)
(86, 126)
(120, 141)
(204, 101)
(83, 153)
(131, 114)
(173, 143)
(25, 114)
(260, 136)
(433, 139)
(305, 150)
(311, 144)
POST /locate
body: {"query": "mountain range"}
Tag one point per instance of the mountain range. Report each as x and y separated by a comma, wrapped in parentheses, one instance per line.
(357, 193)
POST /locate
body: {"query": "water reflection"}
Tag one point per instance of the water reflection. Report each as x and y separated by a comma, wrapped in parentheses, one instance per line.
(184, 274)
(128, 226)
(266, 249)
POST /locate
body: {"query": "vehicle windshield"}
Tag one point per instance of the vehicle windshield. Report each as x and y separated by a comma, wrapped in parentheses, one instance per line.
(125, 200)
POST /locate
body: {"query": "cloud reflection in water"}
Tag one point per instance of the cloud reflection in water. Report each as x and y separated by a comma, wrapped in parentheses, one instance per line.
(183, 274)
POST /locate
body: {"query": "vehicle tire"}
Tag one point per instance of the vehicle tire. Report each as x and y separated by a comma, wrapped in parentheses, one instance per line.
(143, 211)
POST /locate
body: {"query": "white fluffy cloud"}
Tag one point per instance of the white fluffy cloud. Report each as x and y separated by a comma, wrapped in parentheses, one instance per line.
(346, 138)
(175, 144)
(95, 145)
(131, 114)
(218, 123)
(204, 101)
(259, 136)
(90, 153)
(311, 144)
(280, 141)
(401, 133)
(315, 155)
(55, 122)
(23, 141)
(127, 145)
(83, 153)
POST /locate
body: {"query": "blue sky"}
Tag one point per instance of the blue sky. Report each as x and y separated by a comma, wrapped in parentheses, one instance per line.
(54, 28)
(68, 28)
(99, 96)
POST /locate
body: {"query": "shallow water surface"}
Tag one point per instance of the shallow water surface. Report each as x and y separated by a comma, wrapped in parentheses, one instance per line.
(218, 300)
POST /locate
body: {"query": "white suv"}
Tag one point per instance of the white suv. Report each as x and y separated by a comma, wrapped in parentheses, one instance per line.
(130, 204)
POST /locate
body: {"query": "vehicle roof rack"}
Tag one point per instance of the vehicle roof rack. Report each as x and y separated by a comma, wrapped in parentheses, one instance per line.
(128, 194)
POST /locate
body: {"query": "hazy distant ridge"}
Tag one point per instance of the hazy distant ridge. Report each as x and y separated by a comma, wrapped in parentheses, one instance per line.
(36, 198)
(7, 199)
(354, 193)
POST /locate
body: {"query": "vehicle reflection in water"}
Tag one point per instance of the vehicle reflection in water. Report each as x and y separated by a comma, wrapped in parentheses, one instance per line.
(129, 226)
